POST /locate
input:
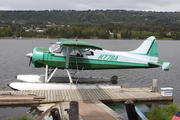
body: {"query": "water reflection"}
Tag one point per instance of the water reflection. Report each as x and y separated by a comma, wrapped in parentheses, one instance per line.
(15, 111)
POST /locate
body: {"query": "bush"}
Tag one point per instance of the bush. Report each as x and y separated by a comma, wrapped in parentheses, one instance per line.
(165, 113)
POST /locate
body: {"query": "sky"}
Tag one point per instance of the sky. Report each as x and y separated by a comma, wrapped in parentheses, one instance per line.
(137, 5)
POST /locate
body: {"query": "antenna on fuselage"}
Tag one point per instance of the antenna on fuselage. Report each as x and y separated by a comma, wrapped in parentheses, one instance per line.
(32, 44)
(98, 44)
(76, 38)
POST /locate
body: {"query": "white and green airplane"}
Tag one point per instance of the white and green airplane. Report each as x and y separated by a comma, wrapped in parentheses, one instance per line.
(73, 54)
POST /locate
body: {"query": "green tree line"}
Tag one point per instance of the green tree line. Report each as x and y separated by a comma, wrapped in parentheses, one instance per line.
(90, 32)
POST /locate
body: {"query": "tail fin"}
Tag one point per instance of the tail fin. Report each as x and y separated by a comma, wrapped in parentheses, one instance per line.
(149, 47)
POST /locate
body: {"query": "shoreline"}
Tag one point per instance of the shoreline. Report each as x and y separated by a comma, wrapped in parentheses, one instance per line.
(27, 38)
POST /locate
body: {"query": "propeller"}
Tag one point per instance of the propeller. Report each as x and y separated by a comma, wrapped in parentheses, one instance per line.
(29, 55)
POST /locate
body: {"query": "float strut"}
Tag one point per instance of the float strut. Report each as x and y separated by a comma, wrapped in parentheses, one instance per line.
(70, 79)
(46, 73)
(51, 75)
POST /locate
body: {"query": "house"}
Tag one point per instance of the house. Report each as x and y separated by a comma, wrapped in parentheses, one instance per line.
(118, 34)
(40, 30)
(37, 28)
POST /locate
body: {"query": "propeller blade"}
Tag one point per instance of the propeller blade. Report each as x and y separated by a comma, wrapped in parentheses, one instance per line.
(29, 55)
(30, 61)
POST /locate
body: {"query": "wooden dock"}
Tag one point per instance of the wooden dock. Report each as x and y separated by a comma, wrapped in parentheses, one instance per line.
(105, 95)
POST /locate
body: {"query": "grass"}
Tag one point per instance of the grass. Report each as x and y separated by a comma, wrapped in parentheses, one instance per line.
(165, 113)
(23, 117)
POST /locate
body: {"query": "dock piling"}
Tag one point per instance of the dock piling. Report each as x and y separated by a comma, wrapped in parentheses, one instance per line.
(74, 110)
(155, 85)
(130, 109)
(55, 114)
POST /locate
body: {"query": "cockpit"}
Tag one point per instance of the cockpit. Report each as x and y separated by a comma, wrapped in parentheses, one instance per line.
(59, 50)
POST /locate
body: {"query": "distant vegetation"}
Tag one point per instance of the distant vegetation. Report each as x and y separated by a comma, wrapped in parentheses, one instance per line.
(108, 24)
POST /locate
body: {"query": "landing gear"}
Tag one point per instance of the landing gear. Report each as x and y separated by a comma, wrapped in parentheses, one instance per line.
(48, 75)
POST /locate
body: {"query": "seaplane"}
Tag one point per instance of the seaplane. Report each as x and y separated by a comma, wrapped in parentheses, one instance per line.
(73, 54)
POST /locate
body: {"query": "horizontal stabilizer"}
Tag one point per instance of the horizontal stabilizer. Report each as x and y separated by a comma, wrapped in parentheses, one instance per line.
(165, 65)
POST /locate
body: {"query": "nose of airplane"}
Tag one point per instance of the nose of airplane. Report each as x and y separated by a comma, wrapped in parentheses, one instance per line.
(29, 55)
(38, 57)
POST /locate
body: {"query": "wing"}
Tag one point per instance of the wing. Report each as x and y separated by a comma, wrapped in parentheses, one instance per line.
(77, 44)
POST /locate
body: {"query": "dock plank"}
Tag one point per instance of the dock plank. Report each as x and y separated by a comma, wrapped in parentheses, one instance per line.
(89, 111)
(81, 92)
(90, 92)
(107, 109)
(68, 98)
(98, 94)
(78, 97)
(93, 92)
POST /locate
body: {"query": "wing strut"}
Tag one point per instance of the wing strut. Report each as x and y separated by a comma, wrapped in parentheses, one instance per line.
(67, 58)
(67, 65)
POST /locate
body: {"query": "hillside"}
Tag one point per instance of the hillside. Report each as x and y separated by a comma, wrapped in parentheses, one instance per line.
(95, 17)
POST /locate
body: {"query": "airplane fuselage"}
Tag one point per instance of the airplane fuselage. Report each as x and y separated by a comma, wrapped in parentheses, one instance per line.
(101, 59)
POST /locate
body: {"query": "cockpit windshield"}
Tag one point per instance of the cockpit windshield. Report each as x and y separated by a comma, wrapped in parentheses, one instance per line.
(55, 49)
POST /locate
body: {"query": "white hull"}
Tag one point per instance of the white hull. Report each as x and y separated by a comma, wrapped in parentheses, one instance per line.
(35, 78)
(56, 86)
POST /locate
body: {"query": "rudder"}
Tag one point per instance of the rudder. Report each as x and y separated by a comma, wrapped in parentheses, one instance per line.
(149, 47)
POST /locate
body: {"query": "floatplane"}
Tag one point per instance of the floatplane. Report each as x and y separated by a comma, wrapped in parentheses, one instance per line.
(72, 54)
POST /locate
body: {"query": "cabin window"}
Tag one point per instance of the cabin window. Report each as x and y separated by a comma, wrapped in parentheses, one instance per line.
(76, 53)
(89, 53)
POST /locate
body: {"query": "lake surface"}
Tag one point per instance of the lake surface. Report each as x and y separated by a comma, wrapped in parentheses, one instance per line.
(13, 61)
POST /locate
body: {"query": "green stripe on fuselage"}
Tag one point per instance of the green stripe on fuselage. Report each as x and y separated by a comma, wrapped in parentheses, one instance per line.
(87, 64)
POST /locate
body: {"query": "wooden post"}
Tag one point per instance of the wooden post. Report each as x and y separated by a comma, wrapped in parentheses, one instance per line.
(74, 110)
(130, 109)
(155, 85)
(55, 114)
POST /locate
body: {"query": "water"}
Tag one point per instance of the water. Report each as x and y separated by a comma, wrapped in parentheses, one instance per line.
(17, 111)
(13, 61)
